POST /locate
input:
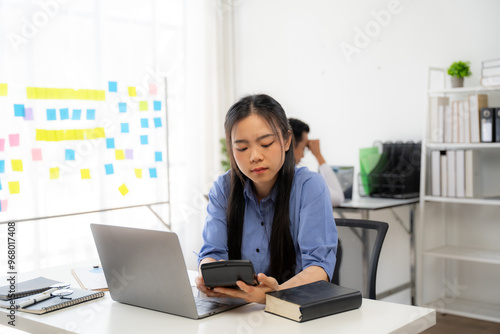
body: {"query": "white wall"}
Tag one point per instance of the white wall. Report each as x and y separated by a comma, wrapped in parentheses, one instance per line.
(291, 49)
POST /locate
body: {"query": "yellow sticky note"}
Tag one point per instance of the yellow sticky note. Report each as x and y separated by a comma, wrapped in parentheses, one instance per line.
(131, 91)
(4, 89)
(14, 187)
(138, 173)
(85, 173)
(123, 189)
(99, 133)
(50, 135)
(71, 134)
(90, 134)
(41, 134)
(79, 134)
(60, 135)
(143, 105)
(119, 155)
(54, 173)
(17, 165)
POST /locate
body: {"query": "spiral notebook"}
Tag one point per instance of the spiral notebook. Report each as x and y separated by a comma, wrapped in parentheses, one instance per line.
(55, 303)
(26, 288)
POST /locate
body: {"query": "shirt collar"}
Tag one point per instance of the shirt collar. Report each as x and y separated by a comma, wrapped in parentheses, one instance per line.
(249, 193)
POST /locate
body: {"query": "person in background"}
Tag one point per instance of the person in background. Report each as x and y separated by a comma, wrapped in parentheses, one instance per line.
(300, 133)
(265, 209)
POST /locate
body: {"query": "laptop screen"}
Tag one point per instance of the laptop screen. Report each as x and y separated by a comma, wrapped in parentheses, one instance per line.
(345, 175)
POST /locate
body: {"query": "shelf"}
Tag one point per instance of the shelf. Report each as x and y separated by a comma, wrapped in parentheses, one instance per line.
(466, 254)
(467, 308)
(465, 146)
(481, 201)
(463, 90)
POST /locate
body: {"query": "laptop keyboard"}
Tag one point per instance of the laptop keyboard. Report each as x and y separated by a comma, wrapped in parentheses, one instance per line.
(205, 305)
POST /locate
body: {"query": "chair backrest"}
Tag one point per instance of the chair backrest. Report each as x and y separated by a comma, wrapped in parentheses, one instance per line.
(358, 251)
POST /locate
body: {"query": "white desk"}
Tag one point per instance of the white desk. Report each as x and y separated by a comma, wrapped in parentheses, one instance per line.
(364, 205)
(106, 316)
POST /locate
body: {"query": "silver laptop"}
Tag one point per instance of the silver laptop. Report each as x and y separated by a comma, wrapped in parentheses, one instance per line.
(146, 268)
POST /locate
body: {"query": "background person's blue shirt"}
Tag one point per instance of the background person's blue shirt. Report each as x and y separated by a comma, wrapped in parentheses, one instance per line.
(312, 224)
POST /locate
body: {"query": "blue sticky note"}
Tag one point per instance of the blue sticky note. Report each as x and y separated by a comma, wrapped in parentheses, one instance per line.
(144, 123)
(157, 121)
(90, 114)
(157, 105)
(112, 86)
(158, 156)
(2, 166)
(19, 110)
(124, 127)
(70, 154)
(77, 114)
(51, 114)
(152, 172)
(0, 189)
(144, 140)
(110, 142)
(122, 107)
(64, 113)
(109, 169)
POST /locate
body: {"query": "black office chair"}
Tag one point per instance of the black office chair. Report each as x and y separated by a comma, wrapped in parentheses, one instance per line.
(358, 251)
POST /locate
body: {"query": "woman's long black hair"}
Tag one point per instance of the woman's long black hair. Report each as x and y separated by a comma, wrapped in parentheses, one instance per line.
(282, 257)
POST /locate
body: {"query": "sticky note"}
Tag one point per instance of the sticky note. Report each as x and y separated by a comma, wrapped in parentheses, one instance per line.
(129, 154)
(36, 154)
(112, 86)
(77, 114)
(85, 173)
(17, 165)
(109, 169)
(119, 155)
(144, 140)
(65, 94)
(123, 189)
(28, 114)
(144, 123)
(4, 89)
(2, 144)
(157, 121)
(14, 140)
(3, 205)
(138, 173)
(122, 107)
(90, 114)
(157, 105)
(158, 156)
(14, 187)
(51, 114)
(70, 154)
(152, 173)
(152, 89)
(2, 166)
(124, 127)
(143, 105)
(54, 173)
(19, 110)
(110, 143)
(0, 189)
(131, 91)
(64, 113)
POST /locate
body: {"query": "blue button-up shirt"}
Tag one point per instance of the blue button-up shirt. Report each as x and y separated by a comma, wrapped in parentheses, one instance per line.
(312, 225)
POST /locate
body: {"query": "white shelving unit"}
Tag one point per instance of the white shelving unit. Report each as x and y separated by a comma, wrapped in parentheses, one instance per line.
(458, 239)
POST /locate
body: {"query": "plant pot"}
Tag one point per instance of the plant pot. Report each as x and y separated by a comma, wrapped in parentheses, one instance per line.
(457, 82)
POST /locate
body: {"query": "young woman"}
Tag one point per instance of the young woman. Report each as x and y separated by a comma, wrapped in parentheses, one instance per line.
(301, 133)
(265, 209)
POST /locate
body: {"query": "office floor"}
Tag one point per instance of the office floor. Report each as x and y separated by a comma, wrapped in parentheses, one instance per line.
(452, 324)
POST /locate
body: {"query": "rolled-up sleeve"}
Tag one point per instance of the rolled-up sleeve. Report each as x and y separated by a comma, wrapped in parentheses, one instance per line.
(316, 229)
(215, 228)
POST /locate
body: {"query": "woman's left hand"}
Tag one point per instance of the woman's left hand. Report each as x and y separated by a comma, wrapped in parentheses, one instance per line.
(251, 294)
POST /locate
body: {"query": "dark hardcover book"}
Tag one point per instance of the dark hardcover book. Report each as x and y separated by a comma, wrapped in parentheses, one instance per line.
(26, 288)
(313, 300)
(487, 125)
(497, 124)
(53, 303)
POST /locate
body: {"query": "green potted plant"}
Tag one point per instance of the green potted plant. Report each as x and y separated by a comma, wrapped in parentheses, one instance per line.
(458, 71)
(226, 165)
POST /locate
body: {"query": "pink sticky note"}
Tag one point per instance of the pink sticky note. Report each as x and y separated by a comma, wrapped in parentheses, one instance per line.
(14, 139)
(3, 204)
(36, 154)
(2, 144)
(28, 114)
(152, 89)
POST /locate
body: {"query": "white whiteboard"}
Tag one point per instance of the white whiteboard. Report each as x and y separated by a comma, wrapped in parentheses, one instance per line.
(74, 150)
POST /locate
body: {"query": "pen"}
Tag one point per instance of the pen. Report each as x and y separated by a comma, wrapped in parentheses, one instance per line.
(37, 298)
(198, 255)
